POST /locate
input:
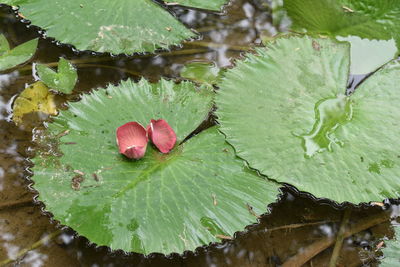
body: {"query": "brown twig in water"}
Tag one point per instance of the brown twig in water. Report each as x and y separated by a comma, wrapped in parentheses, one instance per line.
(217, 45)
(298, 225)
(35, 245)
(339, 238)
(315, 248)
(13, 204)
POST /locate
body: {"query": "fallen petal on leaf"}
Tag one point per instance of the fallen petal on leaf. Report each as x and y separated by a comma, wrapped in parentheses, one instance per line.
(162, 135)
(132, 140)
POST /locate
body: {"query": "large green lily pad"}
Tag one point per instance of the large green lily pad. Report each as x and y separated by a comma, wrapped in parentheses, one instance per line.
(117, 27)
(391, 251)
(285, 112)
(372, 27)
(162, 203)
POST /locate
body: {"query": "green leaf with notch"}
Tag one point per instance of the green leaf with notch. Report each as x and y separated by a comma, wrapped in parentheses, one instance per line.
(117, 27)
(286, 113)
(163, 202)
(10, 58)
(63, 81)
(372, 27)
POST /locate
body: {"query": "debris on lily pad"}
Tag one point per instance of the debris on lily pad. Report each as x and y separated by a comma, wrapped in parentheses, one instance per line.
(35, 98)
(10, 58)
(63, 80)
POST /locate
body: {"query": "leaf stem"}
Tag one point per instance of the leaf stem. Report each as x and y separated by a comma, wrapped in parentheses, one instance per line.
(13, 204)
(340, 238)
(35, 245)
(298, 225)
(217, 45)
(315, 248)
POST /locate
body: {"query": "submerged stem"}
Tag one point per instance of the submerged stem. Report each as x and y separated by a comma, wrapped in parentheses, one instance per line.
(317, 247)
(340, 238)
(13, 204)
(35, 245)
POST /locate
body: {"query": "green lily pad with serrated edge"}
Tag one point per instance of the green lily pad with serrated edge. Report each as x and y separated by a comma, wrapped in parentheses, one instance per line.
(10, 58)
(63, 80)
(372, 27)
(117, 27)
(161, 203)
(391, 251)
(286, 113)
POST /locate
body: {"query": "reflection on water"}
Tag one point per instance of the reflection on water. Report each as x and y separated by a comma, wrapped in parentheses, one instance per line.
(294, 225)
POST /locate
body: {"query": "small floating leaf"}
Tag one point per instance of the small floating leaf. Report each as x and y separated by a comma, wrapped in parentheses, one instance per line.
(162, 135)
(132, 140)
(370, 20)
(214, 5)
(123, 26)
(10, 58)
(391, 251)
(158, 203)
(202, 72)
(293, 123)
(35, 98)
(63, 81)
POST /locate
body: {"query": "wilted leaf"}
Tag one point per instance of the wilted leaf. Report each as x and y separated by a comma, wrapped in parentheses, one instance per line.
(35, 98)
(63, 81)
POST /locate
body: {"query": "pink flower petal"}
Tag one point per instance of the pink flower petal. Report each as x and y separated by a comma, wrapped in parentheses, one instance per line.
(162, 135)
(132, 140)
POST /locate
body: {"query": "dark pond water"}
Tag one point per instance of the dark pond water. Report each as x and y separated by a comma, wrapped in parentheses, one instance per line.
(298, 227)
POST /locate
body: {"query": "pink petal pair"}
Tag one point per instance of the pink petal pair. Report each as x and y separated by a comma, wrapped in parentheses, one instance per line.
(132, 138)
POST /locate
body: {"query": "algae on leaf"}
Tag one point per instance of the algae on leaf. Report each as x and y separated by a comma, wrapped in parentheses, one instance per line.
(366, 24)
(163, 202)
(117, 27)
(286, 113)
(10, 58)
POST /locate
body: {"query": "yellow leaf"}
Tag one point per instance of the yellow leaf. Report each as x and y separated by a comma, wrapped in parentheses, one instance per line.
(35, 98)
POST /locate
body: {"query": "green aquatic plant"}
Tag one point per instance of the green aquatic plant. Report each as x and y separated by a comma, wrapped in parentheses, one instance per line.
(286, 112)
(391, 251)
(196, 194)
(372, 27)
(10, 58)
(63, 80)
(117, 27)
